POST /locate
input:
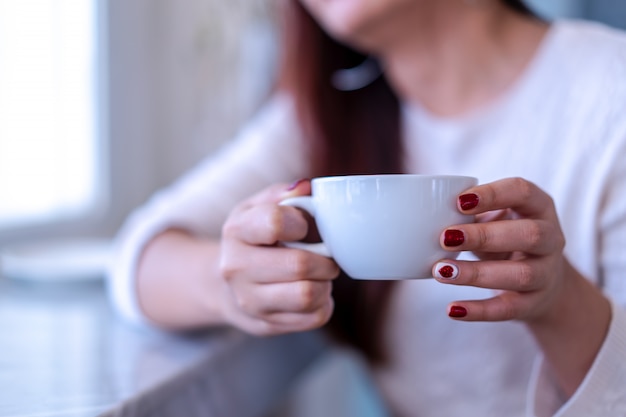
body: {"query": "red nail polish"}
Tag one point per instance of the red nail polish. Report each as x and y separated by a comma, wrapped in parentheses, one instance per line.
(446, 271)
(453, 238)
(457, 312)
(468, 201)
(295, 184)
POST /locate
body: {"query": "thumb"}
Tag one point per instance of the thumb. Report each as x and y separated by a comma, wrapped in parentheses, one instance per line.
(297, 188)
(300, 188)
(278, 192)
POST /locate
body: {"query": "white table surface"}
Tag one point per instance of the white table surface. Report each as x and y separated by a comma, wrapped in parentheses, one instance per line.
(63, 352)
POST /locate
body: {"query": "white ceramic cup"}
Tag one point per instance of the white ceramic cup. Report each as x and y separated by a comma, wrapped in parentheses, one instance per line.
(383, 227)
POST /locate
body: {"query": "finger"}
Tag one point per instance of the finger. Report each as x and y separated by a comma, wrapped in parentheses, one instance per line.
(274, 264)
(516, 193)
(278, 192)
(266, 224)
(295, 322)
(297, 188)
(537, 237)
(503, 307)
(281, 323)
(286, 322)
(495, 215)
(300, 297)
(520, 276)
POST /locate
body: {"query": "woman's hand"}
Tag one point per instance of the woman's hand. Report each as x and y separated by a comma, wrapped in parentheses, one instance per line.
(520, 244)
(274, 289)
(518, 238)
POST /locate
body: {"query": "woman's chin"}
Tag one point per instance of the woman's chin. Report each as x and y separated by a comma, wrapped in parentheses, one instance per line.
(353, 32)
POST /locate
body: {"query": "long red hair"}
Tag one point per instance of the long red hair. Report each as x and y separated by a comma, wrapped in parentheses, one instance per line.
(348, 132)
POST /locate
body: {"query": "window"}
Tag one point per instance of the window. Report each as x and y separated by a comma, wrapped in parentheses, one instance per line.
(50, 164)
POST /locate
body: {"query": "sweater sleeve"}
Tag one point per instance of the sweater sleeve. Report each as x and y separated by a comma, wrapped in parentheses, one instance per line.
(603, 390)
(601, 394)
(267, 150)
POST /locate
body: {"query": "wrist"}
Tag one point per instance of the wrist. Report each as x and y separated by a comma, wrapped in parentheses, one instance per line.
(573, 329)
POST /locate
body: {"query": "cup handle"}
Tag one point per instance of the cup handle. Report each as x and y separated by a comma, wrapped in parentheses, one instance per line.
(305, 203)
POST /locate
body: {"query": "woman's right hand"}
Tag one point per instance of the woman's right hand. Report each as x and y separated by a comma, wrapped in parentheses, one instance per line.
(274, 289)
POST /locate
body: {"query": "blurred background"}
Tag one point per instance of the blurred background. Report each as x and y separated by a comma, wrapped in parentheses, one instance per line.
(104, 101)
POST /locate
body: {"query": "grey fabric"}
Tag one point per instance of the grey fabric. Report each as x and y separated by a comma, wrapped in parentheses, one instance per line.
(337, 385)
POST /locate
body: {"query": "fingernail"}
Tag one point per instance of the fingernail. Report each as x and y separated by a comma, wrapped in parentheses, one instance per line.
(457, 312)
(453, 238)
(295, 184)
(446, 271)
(468, 201)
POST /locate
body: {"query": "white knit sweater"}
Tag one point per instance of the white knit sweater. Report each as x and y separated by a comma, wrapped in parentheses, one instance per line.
(562, 126)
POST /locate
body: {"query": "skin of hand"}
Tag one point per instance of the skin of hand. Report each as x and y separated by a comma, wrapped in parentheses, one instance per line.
(520, 244)
(274, 289)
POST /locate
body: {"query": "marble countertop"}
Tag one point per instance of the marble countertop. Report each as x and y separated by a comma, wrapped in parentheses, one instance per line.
(63, 352)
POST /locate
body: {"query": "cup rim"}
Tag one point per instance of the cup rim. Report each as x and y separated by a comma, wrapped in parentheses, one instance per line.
(366, 177)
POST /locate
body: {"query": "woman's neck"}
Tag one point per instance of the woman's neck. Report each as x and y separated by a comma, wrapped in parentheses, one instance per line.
(452, 57)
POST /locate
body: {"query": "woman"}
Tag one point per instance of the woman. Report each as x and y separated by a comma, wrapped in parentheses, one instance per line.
(481, 88)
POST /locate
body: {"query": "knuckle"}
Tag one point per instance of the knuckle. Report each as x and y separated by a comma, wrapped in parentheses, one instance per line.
(300, 264)
(526, 277)
(474, 277)
(483, 237)
(265, 329)
(523, 187)
(319, 317)
(228, 269)
(507, 310)
(558, 237)
(275, 223)
(489, 194)
(534, 235)
(334, 270)
(327, 269)
(539, 236)
(560, 241)
(324, 314)
(230, 228)
(244, 303)
(307, 296)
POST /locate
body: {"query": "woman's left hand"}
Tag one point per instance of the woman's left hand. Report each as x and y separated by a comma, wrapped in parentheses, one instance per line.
(520, 243)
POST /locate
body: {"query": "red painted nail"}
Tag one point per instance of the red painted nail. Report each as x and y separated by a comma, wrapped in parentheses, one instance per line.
(446, 271)
(457, 312)
(468, 201)
(295, 184)
(453, 238)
